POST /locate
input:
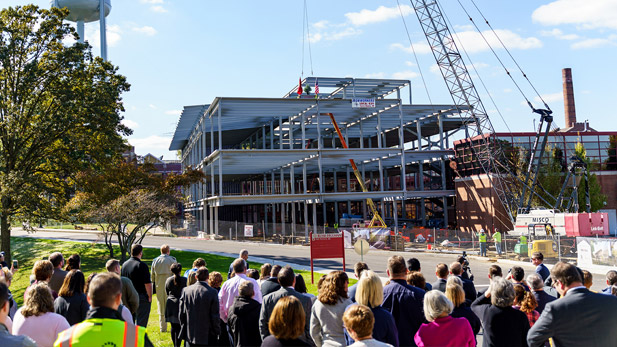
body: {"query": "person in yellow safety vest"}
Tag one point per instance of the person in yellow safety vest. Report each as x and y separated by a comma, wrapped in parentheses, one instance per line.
(497, 239)
(523, 240)
(482, 240)
(104, 325)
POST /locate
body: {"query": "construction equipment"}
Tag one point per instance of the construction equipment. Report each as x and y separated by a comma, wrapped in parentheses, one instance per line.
(369, 202)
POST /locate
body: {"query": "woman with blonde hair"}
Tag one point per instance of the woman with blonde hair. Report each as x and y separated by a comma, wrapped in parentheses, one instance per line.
(286, 323)
(525, 302)
(456, 294)
(369, 293)
(264, 273)
(443, 330)
(37, 320)
(327, 313)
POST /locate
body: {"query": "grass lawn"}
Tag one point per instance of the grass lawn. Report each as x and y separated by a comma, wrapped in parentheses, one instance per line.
(93, 258)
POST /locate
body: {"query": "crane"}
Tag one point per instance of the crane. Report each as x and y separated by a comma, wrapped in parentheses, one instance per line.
(376, 221)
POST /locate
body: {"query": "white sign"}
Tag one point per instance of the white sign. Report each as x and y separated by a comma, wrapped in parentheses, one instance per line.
(362, 103)
(248, 231)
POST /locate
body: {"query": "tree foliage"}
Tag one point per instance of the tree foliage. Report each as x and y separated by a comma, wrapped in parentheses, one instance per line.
(127, 201)
(59, 113)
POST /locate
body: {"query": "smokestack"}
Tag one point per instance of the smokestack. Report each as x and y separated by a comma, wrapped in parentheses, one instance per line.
(568, 98)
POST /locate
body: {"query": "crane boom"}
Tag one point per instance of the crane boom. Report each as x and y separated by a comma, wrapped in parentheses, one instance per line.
(376, 217)
(463, 92)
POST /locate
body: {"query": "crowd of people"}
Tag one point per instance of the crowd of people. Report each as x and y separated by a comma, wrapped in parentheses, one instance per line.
(271, 307)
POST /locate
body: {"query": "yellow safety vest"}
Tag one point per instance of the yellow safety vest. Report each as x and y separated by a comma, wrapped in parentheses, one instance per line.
(482, 237)
(523, 240)
(102, 332)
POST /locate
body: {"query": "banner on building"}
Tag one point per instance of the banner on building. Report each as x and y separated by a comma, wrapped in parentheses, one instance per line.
(363, 102)
(248, 231)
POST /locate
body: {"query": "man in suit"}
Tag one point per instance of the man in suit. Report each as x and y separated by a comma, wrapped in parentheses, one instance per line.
(271, 285)
(441, 271)
(537, 259)
(537, 287)
(579, 318)
(287, 279)
(161, 271)
(494, 271)
(199, 311)
(456, 269)
(611, 280)
(516, 275)
(358, 269)
(57, 260)
(403, 301)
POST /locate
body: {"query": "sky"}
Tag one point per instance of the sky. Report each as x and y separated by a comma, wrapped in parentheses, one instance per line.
(176, 53)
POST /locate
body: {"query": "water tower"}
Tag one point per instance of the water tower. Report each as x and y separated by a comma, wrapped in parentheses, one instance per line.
(85, 11)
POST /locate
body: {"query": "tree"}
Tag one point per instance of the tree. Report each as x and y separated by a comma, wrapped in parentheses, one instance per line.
(596, 198)
(127, 201)
(59, 113)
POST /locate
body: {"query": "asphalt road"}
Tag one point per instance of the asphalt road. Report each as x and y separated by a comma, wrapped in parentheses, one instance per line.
(288, 254)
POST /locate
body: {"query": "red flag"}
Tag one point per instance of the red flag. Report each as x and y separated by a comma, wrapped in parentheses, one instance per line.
(299, 86)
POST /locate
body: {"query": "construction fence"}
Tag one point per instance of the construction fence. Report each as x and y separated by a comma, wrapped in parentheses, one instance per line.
(405, 239)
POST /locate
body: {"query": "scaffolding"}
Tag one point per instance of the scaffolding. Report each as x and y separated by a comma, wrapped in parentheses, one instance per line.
(279, 163)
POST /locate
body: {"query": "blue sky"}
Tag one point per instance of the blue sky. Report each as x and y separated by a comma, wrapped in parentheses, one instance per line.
(186, 52)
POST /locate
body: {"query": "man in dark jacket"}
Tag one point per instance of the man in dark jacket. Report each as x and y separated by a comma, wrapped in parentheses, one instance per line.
(441, 271)
(57, 260)
(243, 317)
(139, 274)
(287, 278)
(470, 290)
(403, 301)
(537, 287)
(199, 311)
(579, 318)
(271, 285)
(130, 298)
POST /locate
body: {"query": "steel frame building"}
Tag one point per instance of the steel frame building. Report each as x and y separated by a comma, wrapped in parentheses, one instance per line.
(281, 160)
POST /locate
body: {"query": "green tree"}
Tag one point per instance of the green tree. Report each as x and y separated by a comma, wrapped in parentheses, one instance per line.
(596, 198)
(127, 201)
(59, 113)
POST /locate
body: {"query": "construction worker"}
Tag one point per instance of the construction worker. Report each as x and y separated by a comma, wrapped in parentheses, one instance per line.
(497, 239)
(523, 240)
(104, 325)
(482, 240)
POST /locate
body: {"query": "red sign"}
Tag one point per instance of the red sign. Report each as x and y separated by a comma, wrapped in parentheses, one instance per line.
(325, 246)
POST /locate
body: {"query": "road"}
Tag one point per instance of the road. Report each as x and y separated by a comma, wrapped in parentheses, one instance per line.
(288, 254)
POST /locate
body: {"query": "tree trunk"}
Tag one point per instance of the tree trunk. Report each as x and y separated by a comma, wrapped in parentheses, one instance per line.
(5, 238)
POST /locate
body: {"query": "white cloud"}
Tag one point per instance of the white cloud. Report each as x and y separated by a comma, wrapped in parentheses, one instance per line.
(159, 9)
(435, 69)
(93, 35)
(592, 43)
(324, 30)
(473, 42)
(151, 143)
(419, 47)
(152, 106)
(553, 97)
(507, 90)
(410, 63)
(151, 1)
(129, 123)
(146, 30)
(587, 15)
(405, 75)
(381, 14)
(376, 75)
(173, 112)
(559, 34)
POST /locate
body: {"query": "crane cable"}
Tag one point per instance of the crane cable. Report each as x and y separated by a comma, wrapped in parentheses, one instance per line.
(476, 71)
(496, 56)
(508, 51)
(428, 94)
(306, 35)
